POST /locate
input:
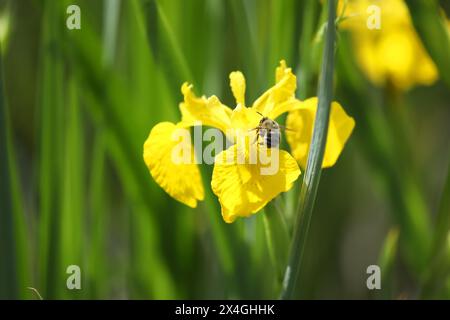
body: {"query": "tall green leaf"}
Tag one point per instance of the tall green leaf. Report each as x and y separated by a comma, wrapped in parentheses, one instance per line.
(14, 272)
(315, 157)
(50, 121)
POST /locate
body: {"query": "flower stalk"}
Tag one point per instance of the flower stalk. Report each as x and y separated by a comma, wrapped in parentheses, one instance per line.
(315, 157)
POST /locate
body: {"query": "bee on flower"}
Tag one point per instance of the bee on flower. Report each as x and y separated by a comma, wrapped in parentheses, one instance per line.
(244, 183)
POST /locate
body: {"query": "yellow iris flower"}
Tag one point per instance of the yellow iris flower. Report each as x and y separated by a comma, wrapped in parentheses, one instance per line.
(391, 53)
(241, 187)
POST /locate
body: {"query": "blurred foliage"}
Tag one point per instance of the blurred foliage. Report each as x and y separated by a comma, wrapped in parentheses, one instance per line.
(77, 105)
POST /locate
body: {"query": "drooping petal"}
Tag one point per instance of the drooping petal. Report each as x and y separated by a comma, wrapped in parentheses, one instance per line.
(282, 91)
(301, 123)
(169, 155)
(209, 111)
(237, 84)
(245, 187)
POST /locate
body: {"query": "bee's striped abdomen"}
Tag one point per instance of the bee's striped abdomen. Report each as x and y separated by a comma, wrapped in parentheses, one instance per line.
(271, 138)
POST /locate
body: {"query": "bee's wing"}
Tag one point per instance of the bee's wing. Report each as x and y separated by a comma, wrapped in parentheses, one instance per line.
(286, 129)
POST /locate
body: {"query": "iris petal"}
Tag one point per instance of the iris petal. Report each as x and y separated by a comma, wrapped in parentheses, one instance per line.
(282, 91)
(209, 111)
(243, 188)
(237, 84)
(180, 178)
(301, 122)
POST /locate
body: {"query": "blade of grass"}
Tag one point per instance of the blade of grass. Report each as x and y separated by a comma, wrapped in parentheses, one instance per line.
(14, 262)
(140, 69)
(440, 257)
(386, 261)
(281, 33)
(247, 49)
(277, 237)
(214, 68)
(145, 78)
(110, 25)
(443, 218)
(315, 157)
(176, 50)
(72, 185)
(97, 269)
(305, 72)
(49, 122)
(145, 243)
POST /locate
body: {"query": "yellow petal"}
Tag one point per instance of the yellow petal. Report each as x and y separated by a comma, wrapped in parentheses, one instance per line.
(180, 178)
(243, 121)
(301, 123)
(244, 118)
(244, 188)
(281, 70)
(209, 111)
(289, 105)
(269, 102)
(237, 84)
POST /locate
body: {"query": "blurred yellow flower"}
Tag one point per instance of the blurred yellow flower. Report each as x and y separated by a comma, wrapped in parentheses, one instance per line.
(387, 47)
(241, 185)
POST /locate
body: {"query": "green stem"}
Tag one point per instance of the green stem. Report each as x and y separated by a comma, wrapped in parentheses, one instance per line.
(387, 261)
(110, 26)
(277, 237)
(315, 157)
